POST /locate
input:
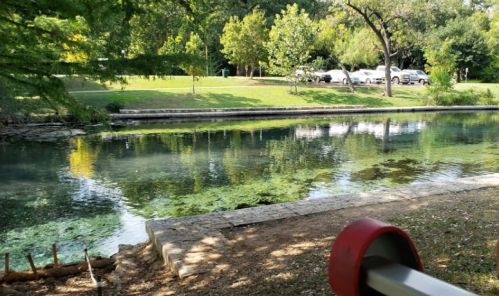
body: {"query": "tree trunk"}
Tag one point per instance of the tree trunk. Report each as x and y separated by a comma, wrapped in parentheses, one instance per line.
(458, 76)
(388, 75)
(384, 38)
(345, 72)
(252, 69)
(240, 70)
(193, 91)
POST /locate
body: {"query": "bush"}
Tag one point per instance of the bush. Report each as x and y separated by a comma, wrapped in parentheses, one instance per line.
(467, 98)
(114, 107)
(486, 98)
(440, 85)
(491, 72)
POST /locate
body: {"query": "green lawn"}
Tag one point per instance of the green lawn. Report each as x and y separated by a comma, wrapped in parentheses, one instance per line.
(494, 87)
(217, 92)
(78, 84)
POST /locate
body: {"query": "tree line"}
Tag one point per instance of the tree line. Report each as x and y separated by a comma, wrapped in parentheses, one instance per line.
(105, 39)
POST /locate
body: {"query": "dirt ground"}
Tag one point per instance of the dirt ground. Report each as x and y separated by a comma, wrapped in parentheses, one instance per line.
(284, 257)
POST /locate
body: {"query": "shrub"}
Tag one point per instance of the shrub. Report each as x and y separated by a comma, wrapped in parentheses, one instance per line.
(467, 98)
(114, 107)
(486, 98)
(491, 72)
(440, 85)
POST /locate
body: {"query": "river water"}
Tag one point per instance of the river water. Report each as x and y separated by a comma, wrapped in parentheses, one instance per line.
(96, 191)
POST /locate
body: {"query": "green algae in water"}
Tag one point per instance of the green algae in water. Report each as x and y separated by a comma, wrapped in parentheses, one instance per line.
(186, 169)
(68, 235)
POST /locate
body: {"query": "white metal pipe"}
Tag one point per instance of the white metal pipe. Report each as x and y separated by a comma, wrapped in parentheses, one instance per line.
(390, 278)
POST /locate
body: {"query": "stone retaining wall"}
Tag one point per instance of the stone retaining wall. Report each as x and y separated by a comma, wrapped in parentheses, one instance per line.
(189, 245)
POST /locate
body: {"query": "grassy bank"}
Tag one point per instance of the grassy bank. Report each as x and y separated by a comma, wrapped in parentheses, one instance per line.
(215, 92)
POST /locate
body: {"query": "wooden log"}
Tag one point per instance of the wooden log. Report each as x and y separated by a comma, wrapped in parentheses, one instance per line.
(60, 271)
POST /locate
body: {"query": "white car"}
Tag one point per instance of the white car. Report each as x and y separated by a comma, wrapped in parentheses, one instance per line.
(368, 76)
(303, 71)
(397, 75)
(310, 74)
(338, 76)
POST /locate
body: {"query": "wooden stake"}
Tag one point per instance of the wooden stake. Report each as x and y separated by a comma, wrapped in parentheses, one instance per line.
(54, 251)
(497, 258)
(7, 263)
(99, 286)
(33, 268)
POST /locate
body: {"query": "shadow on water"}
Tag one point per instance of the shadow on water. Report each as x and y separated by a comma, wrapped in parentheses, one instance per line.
(313, 96)
(402, 171)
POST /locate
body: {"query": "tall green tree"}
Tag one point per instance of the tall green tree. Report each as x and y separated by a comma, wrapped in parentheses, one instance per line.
(41, 39)
(244, 41)
(359, 47)
(458, 46)
(390, 21)
(345, 44)
(291, 40)
(331, 34)
(195, 47)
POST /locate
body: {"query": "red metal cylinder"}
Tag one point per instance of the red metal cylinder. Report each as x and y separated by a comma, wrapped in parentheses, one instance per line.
(367, 237)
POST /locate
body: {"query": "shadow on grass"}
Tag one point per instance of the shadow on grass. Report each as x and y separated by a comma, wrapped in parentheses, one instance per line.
(343, 98)
(79, 84)
(269, 81)
(167, 100)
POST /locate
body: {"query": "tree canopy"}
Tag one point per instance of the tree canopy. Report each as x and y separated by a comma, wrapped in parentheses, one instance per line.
(291, 41)
(46, 38)
(104, 40)
(244, 41)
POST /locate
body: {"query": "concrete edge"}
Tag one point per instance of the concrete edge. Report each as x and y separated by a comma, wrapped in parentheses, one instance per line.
(196, 113)
(189, 245)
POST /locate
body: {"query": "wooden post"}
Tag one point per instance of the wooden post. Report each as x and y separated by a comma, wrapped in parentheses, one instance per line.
(54, 251)
(497, 258)
(33, 268)
(99, 285)
(7, 263)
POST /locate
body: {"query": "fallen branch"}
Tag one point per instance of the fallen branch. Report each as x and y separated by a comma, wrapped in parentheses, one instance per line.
(56, 272)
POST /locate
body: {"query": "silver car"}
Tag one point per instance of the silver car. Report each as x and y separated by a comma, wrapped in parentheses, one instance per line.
(418, 76)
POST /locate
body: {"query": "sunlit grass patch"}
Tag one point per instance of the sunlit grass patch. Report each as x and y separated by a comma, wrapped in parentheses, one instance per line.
(456, 242)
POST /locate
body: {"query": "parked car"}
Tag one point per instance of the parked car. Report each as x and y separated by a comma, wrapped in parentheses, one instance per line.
(310, 74)
(397, 75)
(303, 71)
(321, 75)
(368, 76)
(418, 76)
(338, 76)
